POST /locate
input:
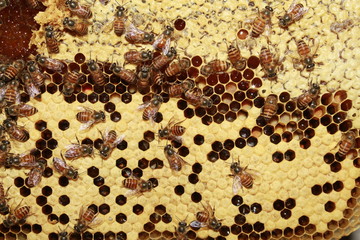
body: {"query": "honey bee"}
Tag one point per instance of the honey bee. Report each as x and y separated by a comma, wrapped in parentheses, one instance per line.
(17, 216)
(162, 42)
(24, 160)
(12, 70)
(137, 57)
(78, 27)
(4, 207)
(136, 36)
(127, 75)
(34, 3)
(81, 11)
(4, 4)
(197, 99)
(164, 59)
(87, 219)
(144, 79)
(176, 90)
(75, 151)
(214, 66)
(89, 117)
(269, 63)
(49, 63)
(30, 88)
(308, 96)
(110, 141)
(119, 22)
(63, 235)
(172, 131)
(137, 186)
(71, 79)
(241, 177)
(37, 76)
(5, 148)
(206, 218)
(175, 160)
(96, 73)
(151, 108)
(270, 107)
(337, 27)
(52, 43)
(306, 57)
(262, 22)
(15, 131)
(295, 12)
(181, 230)
(347, 143)
(21, 110)
(176, 68)
(235, 58)
(12, 95)
(158, 78)
(35, 174)
(64, 169)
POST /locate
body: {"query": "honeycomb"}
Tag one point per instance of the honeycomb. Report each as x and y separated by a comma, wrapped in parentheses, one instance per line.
(303, 189)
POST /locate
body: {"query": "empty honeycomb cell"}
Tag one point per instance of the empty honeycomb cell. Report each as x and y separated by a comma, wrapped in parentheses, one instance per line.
(356, 162)
(40, 125)
(329, 206)
(93, 97)
(99, 89)
(46, 134)
(275, 138)
(243, 236)
(339, 117)
(234, 106)
(211, 111)
(347, 213)
(224, 154)
(97, 143)
(355, 192)
(259, 227)
(345, 126)
(235, 229)
(239, 96)
(36, 228)
(332, 128)
(335, 167)
(24, 191)
(206, 120)
(266, 235)
(277, 156)
(240, 143)
(252, 93)
(52, 144)
(104, 97)
(98, 235)
(309, 133)
(109, 88)
(247, 228)
(19, 182)
(41, 200)
(290, 203)
(155, 218)
(338, 186)
(64, 200)
(308, 113)
(224, 230)
(219, 89)
(287, 136)
(137, 172)
(109, 107)
(93, 171)
(193, 72)
(115, 117)
(104, 209)
(288, 232)
(332, 108)
(155, 234)
(47, 209)
(81, 97)
(230, 116)
(303, 124)
(99, 181)
(121, 218)
(156, 164)
(196, 197)
(86, 236)
(278, 205)
(289, 155)
(10, 236)
(121, 200)
(166, 218)
(148, 227)
(63, 181)
(218, 118)
(212, 156)
(223, 78)
(15, 229)
(244, 209)
(70, 99)
(179, 190)
(57, 78)
(305, 143)
(143, 163)
(255, 208)
(244, 132)
(229, 144)
(183, 151)
(158, 117)
(51, 88)
(316, 190)
(346, 105)
(343, 223)
(143, 145)
(252, 141)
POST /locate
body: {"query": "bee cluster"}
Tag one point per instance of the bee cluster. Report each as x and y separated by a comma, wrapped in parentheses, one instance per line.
(210, 92)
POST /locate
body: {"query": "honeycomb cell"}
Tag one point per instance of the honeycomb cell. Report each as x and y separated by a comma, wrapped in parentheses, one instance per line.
(148, 227)
(345, 126)
(244, 209)
(329, 206)
(346, 105)
(212, 80)
(275, 138)
(288, 232)
(277, 156)
(137, 172)
(143, 145)
(41, 201)
(285, 213)
(224, 230)
(193, 178)
(64, 200)
(279, 205)
(251, 93)
(335, 167)
(339, 117)
(222, 108)
(123, 145)
(247, 228)
(338, 186)
(289, 155)
(93, 171)
(166, 218)
(223, 78)
(219, 89)
(327, 187)
(243, 85)
(239, 96)
(121, 218)
(121, 200)
(51, 88)
(99, 181)
(19, 182)
(47, 209)
(252, 141)
(63, 181)
(93, 97)
(196, 61)
(179, 190)
(305, 143)
(196, 197)
(40, 125)
(255, 208)
(212, 156)
(104, 209)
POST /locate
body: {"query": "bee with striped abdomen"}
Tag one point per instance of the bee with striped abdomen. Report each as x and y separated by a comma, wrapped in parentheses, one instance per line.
(295, 12)
(49, 63)
(71, 79)
(17, 216)
(262, 22)
(23, 160)
(136, 36)
(151, 108)
(13, 70)
(176, 68)
(87, 219)
(307, 56)
(137, 186)
(64, 169)
(75, 151)
(206, 218)
(308, 96)
(12, 95)
(270, 108)
(176, 162)
(137, 57)
(35, 174)
(196, 98)
(31, 89)
(163, 59)
(347, 143)
(110, 141)
(4, 207)
(172, 131)
(144, 79)
(37, 76)
(241, 178)
(176, 90)
(96, 73)
(181, 230)
(163, 41)
(235, 57)
(269, 63)
(52, 43)
(214, 66)
(119, 22)
(21, 110)
(82, 11)
(15, 131)
(78, 27)
(129, 76)
(88, 117)
(34, 3)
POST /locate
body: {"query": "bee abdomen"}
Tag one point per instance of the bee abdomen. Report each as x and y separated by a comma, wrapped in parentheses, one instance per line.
(178, 130)
(83, 117)
(130, 183)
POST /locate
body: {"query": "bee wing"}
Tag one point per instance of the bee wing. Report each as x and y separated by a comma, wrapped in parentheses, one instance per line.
(236, 184)
(119, 139)
(84, 109)
(292, 6)
(143, 106)
(158, 40)
(178, 162)
(73, 146)
(300, 14)
(197, 224)
(59, 164)
(132, 192)
(132, 31)
(109, 26)
(167, 46)
(27, 107)
(95, 222)
(34, 178)
(87, 125)
(32, 90)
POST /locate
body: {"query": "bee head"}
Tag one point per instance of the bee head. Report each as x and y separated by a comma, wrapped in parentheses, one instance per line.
(168, 30)
(119, 11)
(268, 11)
(8, 222)
(149, 37)
(68, 89)
(8, 123)
(206, 102)
(49, 28)
(169, 149)
(99, 115)
(87, 149)
(104, 151)
(31, 66)
(149, 185)
(78, 227)
(72, 4)
(73, 174)
(215, 224)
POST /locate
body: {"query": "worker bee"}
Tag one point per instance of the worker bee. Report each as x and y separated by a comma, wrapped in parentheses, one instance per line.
(4, 4)
(89, 117)
(34, 3)
(235, 58)
(49, 63)
(176, 68)
(269, 63)
(163, 59)
(78, 27)
(21, 110)
(15, 131)
(214, 66)
(136, 36)
(151, 108)
(176, 90)
(17, 216)
(137, 57)
(71, 79)
(206, 218)
(308, 96)
(64, 169)
(5, 148)
(96, 73)
(52, 43)
(175, 160)
(162, 42)
(119, 22)
(337, 27)
(295, 12)
(63, 235)
(23, 160)
(75, 151)
(35, 174)
(270, 107)
(4, 207)
(12, 70)
(181, 230)
(144, 79)
(87, 219)
(127, 75)
(172, 131)
(306, 57)
(12, 94)
(347, 143)
(37, 76)
(196, 98)
(137, 186)
(110, 141)
(262, 22)
(29, 85)
(241, 177)
(158, 78)
(81, 11)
